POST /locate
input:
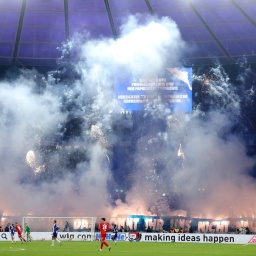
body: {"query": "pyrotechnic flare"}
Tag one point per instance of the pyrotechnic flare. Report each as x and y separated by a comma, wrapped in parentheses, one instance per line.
(31, 161)
(98, 134)
(181, 75)
(181, 153)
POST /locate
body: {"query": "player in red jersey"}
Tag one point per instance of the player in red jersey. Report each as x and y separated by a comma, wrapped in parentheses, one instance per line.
(104, 228)
(18, 228)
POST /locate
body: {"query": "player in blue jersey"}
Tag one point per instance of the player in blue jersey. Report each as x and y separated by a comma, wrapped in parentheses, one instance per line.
(12, 230)
(115, 231)
(55, 230)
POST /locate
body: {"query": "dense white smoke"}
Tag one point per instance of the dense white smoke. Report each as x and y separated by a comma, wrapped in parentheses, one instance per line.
(194, 164)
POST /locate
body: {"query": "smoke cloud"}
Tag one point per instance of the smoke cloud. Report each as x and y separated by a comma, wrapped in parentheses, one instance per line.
(72, 124)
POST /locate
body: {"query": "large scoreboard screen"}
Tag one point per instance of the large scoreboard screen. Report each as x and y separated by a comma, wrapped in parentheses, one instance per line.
(173, 86)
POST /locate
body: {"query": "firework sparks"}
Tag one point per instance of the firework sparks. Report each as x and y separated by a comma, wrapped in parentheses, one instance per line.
(32, 162)
(181, 153)
(31, 159)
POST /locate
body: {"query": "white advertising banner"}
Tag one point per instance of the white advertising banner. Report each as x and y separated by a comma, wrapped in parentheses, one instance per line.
(64, 236)
(198, 238)
(144, 237)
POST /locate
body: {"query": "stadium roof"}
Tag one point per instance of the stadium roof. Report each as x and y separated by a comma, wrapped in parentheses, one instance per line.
(31, 30)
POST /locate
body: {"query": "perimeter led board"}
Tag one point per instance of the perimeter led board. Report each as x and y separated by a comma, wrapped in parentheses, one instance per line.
(173, 86)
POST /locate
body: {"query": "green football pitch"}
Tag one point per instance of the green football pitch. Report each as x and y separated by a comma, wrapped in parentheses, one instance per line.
(71, 248)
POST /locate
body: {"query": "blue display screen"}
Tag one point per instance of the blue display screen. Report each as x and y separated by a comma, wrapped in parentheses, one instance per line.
(173, 86)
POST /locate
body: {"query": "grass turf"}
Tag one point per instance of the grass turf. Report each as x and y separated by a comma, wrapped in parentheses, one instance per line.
(38, 248)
